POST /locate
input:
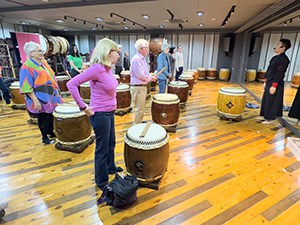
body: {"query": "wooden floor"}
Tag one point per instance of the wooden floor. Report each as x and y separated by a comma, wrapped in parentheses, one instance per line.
(219, 172)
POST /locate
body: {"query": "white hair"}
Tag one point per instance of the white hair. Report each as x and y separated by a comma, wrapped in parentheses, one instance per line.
(120, 46)
(165, 45)
(141, 43)
(30, 46)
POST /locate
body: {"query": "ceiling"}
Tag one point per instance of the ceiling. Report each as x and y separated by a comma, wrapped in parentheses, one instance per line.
(248, 14)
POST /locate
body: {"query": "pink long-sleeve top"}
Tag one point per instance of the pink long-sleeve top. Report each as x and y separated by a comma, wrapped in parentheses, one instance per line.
(103, 87)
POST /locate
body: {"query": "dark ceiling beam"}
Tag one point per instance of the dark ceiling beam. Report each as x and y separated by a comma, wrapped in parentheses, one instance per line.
(67, 5)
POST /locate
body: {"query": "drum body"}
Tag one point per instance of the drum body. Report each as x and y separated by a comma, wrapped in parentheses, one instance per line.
(165, 110)
(71, 125)
(189, 79)
(123, 99)
(146, 157)
(155, 46)
(16, 97)
(261, 75)
(250, 75)
(224, 74)
(125, 77)
(62, 83)
(296, 80)
(231, 102)
(201, 73)
(85, 91)
(117, 77)
(211, 74)
(181, 89)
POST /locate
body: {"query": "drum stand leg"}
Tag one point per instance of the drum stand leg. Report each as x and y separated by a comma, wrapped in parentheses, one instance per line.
(171, 129)
(78, 148)
(153, 185)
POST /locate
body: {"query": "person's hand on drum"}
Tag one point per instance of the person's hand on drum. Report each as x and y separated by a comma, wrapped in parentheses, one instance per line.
(88, 111)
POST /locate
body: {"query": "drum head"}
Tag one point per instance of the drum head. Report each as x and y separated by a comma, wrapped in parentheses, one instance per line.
(166, 97)
(67, 108)
(186, 77)
(178, 84)
(232, 90)
(296, 74)
(201, 69)
(62, 78)
(211, 69)
(125, 72)
(44, 44)
(86, 84)
(56, 46)
(251, 70)
(156, 136)
(122, 87)
(224, 69)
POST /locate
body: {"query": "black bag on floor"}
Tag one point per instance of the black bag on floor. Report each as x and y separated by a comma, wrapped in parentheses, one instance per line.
(120, 192)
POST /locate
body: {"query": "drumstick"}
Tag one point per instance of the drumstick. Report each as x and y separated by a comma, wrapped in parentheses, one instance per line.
(162, 70)
(143, 134)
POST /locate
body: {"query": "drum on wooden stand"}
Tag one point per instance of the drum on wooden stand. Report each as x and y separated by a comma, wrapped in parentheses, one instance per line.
(194, 73)
(250, 75)
(165, 110)
(296, 80)
(146, 156)
(231, 102)
(125, 77)
(211, 74)
(189, 79)
(85, 92)
(181, 89)
(123, 99)
(72, 128)
(261, 75)
(224, 74)
(117, 77)
(201, 73)
(62, 84)
(17, 98)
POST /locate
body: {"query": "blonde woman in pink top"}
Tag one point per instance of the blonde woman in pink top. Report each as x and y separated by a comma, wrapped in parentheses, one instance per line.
(102, 106)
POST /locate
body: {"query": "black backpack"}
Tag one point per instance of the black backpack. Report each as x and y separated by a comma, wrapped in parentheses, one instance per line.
(120, 192)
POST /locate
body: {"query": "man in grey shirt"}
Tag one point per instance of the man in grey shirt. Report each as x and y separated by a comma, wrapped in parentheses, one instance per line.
(119, 66)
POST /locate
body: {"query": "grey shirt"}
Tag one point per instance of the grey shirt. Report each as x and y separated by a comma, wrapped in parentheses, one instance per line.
(119, 62)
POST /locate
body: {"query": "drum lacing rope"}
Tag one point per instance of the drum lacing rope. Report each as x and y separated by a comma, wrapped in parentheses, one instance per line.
(75, 142)
(146, 144)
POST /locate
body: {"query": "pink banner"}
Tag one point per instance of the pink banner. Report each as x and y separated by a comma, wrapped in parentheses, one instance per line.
(22, 38)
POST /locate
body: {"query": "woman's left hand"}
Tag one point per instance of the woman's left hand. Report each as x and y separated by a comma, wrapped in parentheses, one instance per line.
(88, 111)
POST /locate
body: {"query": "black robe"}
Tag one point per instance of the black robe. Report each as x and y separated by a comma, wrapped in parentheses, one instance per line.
(271, 105)
(295, 109)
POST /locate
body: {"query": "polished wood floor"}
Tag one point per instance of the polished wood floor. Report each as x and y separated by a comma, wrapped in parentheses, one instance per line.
(219, 172)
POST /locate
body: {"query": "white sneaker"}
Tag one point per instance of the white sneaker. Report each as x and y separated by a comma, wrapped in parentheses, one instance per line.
(268, 121)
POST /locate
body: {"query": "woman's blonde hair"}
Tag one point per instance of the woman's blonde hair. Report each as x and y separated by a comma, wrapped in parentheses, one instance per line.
(102, 50)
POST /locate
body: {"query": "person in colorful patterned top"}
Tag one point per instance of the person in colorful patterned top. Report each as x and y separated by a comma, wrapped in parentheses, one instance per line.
(102, 106)
(38, 83)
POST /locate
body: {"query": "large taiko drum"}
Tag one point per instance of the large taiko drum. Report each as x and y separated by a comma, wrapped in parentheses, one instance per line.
(71, 125)
(165, 110)
(117, 77)
(62, 83)
(211, 74)
(123, 99)
(181, 89)
(194, 73)
(296, 80)
(231, 102)
(63, 44)
(125, 77)
(224, 74)
(16, 97)
(44, 44)
(261, 75)
(250, 75)
(189, 79)
(155, 46)
(146, 157)
(85, 91)
(201, 73)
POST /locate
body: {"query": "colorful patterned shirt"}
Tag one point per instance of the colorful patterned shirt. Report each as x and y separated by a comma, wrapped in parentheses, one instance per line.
(39, 79)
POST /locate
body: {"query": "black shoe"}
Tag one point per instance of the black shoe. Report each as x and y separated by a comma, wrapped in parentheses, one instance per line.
(51, 135)
(118, 169)
(47, 141)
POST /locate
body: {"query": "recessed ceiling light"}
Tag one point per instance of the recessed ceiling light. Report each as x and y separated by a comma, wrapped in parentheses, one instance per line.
(93, 28)
(99, 18)
(24, 22)
(59, 20)
(199, 13)
(45, 1)
(161, 26)
(145, 16)
(201, 24)
(126, 28)
(213, 19)
(66, 29)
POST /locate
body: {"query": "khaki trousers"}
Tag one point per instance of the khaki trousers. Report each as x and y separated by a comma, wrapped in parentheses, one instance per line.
(138, 99)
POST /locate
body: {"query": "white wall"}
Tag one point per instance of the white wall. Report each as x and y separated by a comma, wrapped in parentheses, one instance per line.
(7, 27)
(270, 39)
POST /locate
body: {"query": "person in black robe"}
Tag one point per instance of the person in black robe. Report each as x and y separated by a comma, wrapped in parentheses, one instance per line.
(272, 101)
(295, 109)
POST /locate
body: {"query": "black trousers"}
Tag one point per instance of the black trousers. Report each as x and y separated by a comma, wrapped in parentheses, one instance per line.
(73, 73)
(45, 121)
(118, 69)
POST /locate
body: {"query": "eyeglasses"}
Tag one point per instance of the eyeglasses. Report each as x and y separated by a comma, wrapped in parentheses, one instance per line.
(41, 51)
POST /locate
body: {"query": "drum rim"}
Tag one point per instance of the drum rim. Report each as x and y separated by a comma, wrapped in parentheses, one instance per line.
(124, 89)
(184, 84)
(243, 91)
(167, 100)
